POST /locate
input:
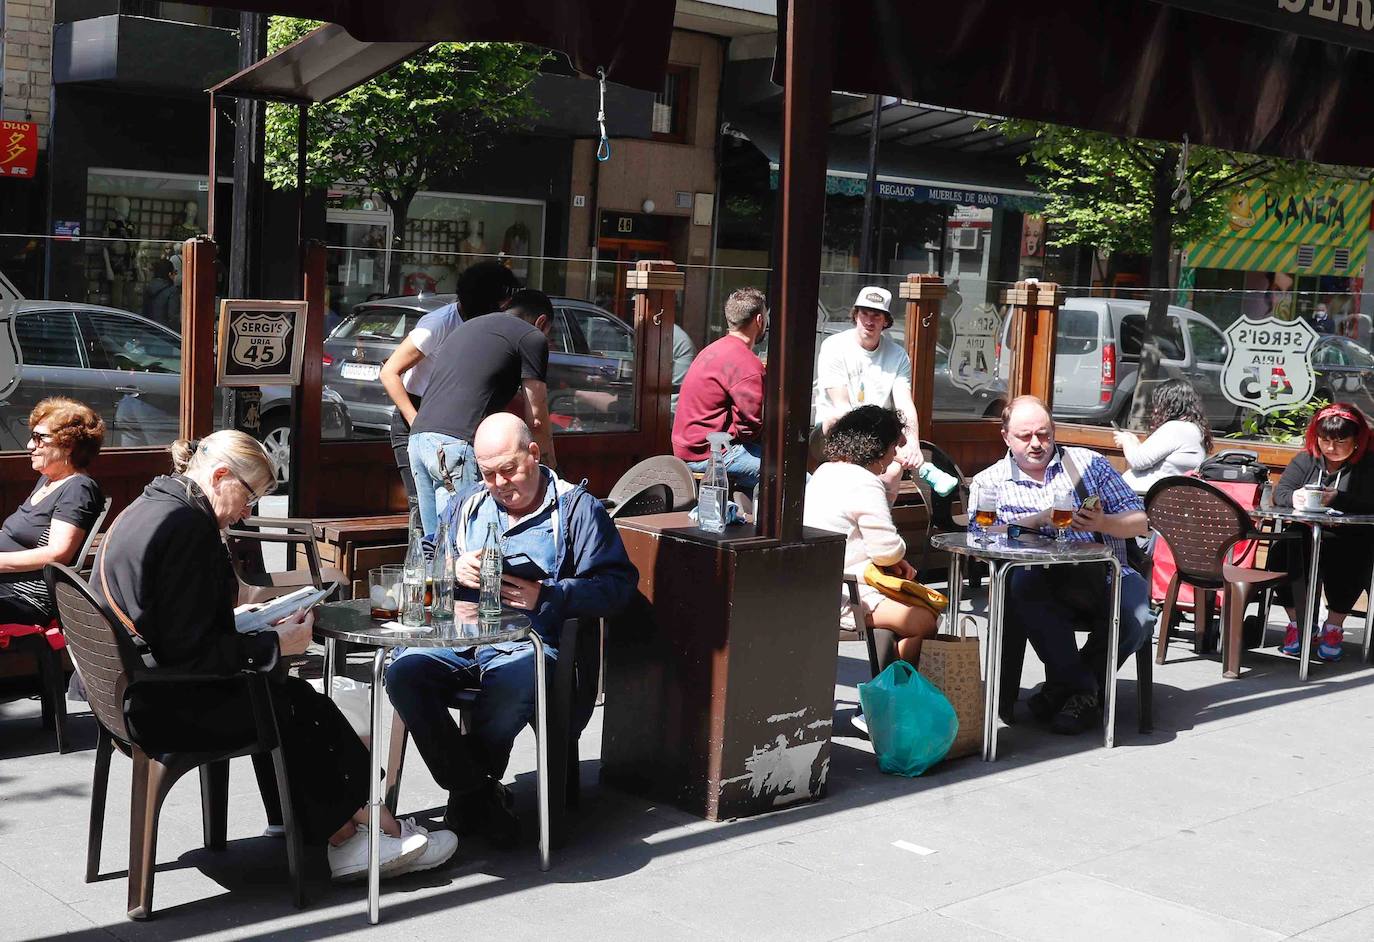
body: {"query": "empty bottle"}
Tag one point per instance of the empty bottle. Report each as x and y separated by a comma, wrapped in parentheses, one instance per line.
(441, 576)
(489, 601)
(413, 577)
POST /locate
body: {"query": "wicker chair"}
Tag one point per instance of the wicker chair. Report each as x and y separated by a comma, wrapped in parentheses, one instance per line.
(110, 664)
(1201, 524)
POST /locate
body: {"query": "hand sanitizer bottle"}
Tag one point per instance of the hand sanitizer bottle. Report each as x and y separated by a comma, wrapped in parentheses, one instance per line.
(714, 492)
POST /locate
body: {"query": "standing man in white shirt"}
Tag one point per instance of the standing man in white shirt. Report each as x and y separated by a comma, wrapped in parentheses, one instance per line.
(862, 367)
(482, 288)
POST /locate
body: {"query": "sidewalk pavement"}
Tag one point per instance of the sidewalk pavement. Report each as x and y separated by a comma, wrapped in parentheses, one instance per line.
(1237, 819)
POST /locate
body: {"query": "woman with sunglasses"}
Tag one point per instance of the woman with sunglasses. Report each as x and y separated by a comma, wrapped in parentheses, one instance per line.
(1335, 454)
(50, 526)
(164, 570)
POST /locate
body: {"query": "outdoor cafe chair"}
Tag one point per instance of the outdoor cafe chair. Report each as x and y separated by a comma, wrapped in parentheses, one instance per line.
(660, 469)
(110, 665)
(45, 643)
(652, 499)
(1202, 524)
(572, 692)
(245, 542)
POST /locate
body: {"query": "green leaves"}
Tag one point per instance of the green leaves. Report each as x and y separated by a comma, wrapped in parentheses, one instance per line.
(426, 117)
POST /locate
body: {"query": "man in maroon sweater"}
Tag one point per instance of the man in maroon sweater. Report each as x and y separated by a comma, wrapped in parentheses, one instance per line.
(723, 392)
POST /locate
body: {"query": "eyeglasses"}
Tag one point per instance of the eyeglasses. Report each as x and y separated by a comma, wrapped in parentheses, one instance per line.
(41, 438)
(253, 496)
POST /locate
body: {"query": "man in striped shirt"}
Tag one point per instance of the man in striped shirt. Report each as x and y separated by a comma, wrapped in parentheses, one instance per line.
(1046, 607)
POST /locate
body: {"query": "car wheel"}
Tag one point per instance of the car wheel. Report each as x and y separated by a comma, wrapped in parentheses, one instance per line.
(276, 438)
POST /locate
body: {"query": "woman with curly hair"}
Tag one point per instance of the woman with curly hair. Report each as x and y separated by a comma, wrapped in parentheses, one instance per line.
(51, 524)
(1180, 437)
(852, 493)
(1335, 454)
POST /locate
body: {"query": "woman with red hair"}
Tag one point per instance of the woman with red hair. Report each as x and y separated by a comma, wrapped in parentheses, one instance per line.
(1335, 455)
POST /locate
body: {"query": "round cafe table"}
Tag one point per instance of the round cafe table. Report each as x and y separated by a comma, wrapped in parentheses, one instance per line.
(1002, 556)
(352, 622)
(1318, 521)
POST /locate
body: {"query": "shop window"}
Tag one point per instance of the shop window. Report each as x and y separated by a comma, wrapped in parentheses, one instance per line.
(671, 106)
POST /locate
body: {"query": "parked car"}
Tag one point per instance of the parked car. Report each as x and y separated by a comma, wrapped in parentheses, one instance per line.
(591, 362)
(127, 368)
(1097, 359)
(1345, 372)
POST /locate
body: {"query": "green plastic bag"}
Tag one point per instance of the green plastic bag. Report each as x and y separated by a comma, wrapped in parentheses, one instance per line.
(910, 723)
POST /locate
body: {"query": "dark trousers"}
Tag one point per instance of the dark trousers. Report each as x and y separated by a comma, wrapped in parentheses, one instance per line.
(400, 447)
(1347, 556)
(325, 761)
(1036, 613)
(16, 610)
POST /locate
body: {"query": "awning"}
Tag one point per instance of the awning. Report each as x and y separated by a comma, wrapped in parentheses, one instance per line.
(319, 66)
(1138, 68)
(628, 38)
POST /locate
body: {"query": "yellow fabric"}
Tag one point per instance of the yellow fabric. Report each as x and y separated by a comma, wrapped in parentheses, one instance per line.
(905, 590)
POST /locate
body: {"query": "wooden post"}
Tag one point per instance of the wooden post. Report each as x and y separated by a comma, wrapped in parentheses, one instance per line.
(1033, 307)
(656, 285)
(792, 341)
(197, 417)
(306, 425)
(923, 295)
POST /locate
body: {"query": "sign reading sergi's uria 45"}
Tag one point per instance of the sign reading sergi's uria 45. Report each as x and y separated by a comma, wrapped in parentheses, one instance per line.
(1268, 365)
(973, 348)
(261, 342)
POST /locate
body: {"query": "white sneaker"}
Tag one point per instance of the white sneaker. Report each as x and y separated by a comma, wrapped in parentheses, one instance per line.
(441, 846)
(860, 724)
(349, 859)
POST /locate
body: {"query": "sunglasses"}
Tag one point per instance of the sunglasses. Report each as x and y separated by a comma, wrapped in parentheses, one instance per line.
(41, 438)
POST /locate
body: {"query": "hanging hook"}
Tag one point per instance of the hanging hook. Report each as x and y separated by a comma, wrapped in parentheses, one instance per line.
(603, 148)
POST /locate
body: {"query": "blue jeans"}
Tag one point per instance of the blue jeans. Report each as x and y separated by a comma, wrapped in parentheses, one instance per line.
(742, 461)
(423, 683)
(1035, 613)
(430, 492)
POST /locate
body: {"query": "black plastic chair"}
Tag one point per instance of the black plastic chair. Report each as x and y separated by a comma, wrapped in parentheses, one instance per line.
(572, 692)
(111, 665)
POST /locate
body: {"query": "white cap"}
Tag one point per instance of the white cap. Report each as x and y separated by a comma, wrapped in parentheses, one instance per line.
(878, 299)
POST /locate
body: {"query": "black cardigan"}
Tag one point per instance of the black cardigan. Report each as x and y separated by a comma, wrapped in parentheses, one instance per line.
(1354, 488)
(169, 571)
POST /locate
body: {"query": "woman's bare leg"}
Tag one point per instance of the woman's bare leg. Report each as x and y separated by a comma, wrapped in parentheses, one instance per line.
(911, 623)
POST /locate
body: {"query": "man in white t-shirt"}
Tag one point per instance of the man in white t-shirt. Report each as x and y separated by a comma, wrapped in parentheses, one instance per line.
(863, 367)
(482, 288)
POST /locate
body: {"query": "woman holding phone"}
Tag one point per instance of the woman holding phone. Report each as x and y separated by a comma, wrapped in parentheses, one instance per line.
(166, 576)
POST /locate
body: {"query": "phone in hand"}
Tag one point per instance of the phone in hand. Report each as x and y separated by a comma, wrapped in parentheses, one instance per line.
(1091, 502)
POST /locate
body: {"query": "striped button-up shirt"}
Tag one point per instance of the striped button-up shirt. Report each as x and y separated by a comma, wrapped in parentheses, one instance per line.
(1020, 496)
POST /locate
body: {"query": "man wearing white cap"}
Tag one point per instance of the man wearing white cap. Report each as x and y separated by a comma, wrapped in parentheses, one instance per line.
(861, 367)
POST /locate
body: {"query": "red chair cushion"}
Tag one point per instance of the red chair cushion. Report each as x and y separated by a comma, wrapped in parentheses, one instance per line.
(54, 634)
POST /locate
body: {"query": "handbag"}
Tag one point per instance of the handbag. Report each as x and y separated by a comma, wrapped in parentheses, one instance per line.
(910, 723)
(906, 591)
(951, 663)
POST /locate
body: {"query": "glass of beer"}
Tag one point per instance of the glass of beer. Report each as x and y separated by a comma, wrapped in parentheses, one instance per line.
(986, 514)
(385, 588)
(1062, 515)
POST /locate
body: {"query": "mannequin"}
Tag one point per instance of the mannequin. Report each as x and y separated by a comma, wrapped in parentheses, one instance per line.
(188, 227)
(120, 270)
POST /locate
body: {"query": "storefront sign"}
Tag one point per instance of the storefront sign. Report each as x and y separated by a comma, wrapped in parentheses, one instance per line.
(1347, 22)
(67, 229)
(973, 349)
(261, 342)
(1268, 366)
(18, 149)
(955, 196)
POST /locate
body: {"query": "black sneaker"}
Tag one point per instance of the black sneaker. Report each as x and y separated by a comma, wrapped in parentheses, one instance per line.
(1080, 713)
(1048, 700)
(487, 812)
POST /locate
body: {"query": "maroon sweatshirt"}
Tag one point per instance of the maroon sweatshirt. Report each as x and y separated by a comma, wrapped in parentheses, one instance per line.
(722, 392)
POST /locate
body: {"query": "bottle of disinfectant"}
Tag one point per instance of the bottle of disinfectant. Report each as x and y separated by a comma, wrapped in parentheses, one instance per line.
(714, 492)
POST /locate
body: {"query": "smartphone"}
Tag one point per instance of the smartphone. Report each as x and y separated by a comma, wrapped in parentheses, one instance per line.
(1091, 501)
(521, 566)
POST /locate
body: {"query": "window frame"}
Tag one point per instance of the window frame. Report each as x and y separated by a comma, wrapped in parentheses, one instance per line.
(681, 108)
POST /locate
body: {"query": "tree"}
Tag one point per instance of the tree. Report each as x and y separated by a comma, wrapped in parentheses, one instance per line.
(1144, 197)
(422, 120)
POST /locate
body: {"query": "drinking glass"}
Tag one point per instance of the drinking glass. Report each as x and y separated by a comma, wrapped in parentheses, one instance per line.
(385, 589)
(986, 515)
(1062, 515)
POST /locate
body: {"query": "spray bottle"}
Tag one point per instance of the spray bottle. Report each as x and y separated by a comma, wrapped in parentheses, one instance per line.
(714, 492)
